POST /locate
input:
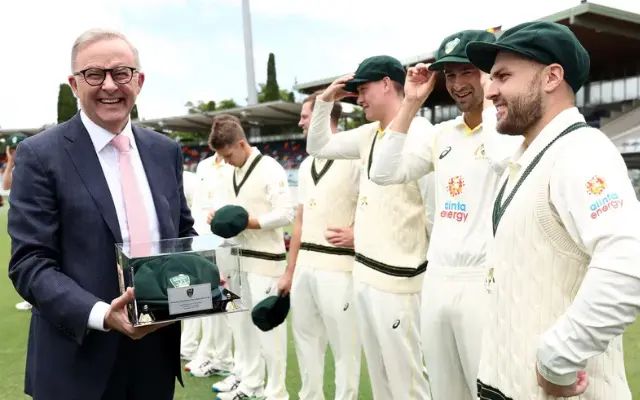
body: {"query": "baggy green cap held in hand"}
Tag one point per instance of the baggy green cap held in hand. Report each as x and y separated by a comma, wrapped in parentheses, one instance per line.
(229, 221)
(544, 42)
(270, 312)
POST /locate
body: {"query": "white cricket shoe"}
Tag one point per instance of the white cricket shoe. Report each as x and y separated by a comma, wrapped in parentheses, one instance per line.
(207, 369)
(228, 384)
(239, 395)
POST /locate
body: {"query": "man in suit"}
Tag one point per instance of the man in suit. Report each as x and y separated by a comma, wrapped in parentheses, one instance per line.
(79, 188)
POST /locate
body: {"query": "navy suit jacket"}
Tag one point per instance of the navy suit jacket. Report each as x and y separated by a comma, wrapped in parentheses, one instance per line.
(63, 226)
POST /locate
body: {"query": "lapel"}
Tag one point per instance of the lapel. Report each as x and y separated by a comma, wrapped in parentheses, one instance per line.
(156, 170)
(83, 156)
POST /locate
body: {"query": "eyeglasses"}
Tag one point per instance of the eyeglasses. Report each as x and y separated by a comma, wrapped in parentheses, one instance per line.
(95, 76)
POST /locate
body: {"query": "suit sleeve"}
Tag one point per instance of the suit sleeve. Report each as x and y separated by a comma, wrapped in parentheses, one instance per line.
(34, 227)
(185, 227)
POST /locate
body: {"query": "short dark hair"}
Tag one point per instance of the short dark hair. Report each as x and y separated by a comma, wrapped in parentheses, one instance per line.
(398, 87)
(226, 130)
(336, 111)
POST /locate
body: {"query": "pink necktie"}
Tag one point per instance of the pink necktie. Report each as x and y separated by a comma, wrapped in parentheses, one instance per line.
(137, 219)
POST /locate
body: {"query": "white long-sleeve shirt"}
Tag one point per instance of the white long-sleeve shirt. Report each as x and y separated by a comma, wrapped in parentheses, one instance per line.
(467, 164)
(594, 199)
(109, 157)
(346, 145)
(208, 193)
(276, 190)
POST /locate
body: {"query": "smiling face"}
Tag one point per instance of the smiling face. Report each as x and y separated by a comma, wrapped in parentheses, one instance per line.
(108, 104)
(371, 97)
(464, 87)
(516, 92)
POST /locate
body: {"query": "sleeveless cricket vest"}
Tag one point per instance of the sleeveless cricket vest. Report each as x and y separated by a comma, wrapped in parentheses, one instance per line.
(390, 231)
(536, 271)
(262, 250)
(330, 201)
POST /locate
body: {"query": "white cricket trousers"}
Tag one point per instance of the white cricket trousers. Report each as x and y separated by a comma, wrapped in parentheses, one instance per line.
(453, 312)
(255, 348)
(323, 312)
(389, 330)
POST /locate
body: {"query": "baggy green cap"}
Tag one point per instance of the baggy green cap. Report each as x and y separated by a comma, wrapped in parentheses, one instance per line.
(229, 221)
(452, 48)
(270, 312)
(544, 42)
(154, 275)
(374, 69)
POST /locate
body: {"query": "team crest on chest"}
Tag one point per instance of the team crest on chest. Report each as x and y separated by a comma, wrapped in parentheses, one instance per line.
(364, 201)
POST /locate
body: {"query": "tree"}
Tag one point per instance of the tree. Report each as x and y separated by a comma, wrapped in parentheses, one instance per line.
(201, 107)
(227, 104)
(134, 112)
(285, 95)
(67, 103)
(271, 89)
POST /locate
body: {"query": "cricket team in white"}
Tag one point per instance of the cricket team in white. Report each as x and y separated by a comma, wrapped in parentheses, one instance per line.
(522, 287)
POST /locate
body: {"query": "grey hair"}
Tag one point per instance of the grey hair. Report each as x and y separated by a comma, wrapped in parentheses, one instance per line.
(95, 35)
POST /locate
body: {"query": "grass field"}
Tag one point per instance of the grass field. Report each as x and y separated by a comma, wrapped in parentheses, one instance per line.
(13, 334)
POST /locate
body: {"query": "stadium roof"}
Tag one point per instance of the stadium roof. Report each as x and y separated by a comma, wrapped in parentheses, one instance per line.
(275, 113)
(611, 36)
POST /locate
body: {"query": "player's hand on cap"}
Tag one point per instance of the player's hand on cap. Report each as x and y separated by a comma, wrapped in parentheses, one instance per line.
(419, 83)
(284, 284)
(341, 237)
(579, 387)
(117, 318)
(336, 91)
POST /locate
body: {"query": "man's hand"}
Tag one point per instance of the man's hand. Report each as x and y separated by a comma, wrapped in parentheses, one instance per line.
(210, 216)
(10, 153)
(419, 83)
(564, 391)
(341, 237)
(118, 320)
(284, 284)
(335, 91)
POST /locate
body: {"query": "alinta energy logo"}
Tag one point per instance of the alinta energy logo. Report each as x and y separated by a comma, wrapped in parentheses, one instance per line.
(605, 202)
(455, 210)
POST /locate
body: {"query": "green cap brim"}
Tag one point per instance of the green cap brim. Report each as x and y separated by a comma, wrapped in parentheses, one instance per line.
(352, 85)
(483, 54)
(439, 65)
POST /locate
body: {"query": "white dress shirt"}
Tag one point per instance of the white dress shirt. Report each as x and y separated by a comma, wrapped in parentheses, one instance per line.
(109, 157)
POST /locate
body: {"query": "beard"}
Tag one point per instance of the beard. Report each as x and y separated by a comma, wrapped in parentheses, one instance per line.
(523, 111)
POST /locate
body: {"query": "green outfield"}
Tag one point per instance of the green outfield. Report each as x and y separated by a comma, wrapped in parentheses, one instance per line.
(13, 334)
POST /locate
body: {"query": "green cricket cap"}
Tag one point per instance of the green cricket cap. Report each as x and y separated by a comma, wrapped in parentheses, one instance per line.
(270, 312)
(374, 69)
(452, 48)
(229, 221)
(544, 42)
(155, 275)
